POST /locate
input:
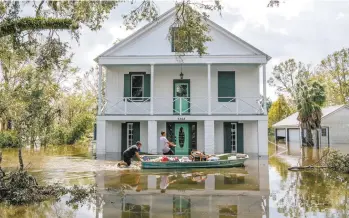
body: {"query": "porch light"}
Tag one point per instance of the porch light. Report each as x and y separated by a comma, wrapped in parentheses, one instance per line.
(181, 75)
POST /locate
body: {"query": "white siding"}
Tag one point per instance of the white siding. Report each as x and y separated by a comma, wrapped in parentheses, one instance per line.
(250, 137)
(113, 137)
(339, 126)
(247, 88)
(143, 135)
(200, 136)
(144, 44)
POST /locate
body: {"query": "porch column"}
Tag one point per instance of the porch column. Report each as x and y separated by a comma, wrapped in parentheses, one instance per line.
(209, 88)
(262, 126)
(209, 136)
(100, 74)
(100, 142)
(152, 137)
(151, 89)
(265, 90)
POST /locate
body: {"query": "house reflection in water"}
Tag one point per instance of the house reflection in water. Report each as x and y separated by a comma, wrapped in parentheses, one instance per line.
(237, 192)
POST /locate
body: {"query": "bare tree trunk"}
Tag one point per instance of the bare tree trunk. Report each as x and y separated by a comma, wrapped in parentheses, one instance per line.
(309, 138)
(20, 159)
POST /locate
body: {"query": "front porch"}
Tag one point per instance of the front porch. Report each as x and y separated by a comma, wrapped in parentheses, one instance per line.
(210, 136)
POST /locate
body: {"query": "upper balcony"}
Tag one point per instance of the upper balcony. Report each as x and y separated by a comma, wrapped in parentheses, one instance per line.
(191, 89)
(184, 106)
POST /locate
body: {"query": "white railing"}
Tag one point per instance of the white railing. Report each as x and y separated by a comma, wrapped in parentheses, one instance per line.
(183, 106)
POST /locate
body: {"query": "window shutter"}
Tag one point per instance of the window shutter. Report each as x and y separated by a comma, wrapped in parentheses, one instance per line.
(123, 137)
(127, 85)
(226, 86)
(240, 137)
(136, 132)
(227, 137)
(147, 87)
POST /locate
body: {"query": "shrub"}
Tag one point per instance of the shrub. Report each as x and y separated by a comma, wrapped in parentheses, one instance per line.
(82, 125)
(337, 161)
(8, 139)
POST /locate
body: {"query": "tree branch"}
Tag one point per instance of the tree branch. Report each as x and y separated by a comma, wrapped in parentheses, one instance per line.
(11, 27)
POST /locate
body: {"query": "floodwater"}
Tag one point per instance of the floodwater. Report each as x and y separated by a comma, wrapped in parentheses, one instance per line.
(263, 188)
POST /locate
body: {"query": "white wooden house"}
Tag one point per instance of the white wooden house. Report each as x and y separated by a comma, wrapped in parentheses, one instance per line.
(210, 103)
(334, 129)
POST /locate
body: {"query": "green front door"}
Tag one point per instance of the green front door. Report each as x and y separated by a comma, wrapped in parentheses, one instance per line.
(181, 97)
(182, 138)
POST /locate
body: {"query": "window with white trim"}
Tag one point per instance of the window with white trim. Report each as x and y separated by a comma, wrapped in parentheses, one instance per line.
(137, 87)
(233, 137)
(129, 134)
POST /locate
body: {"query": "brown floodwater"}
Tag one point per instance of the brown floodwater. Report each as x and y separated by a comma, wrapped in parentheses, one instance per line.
(263, 188)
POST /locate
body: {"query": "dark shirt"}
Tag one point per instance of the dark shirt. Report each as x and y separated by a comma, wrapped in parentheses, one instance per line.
(131, 151)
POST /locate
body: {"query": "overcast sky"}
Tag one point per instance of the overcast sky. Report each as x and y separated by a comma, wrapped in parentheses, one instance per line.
(307, 30)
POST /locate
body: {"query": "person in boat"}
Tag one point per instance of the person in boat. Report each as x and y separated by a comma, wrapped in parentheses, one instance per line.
(129, 153)
(166, 145)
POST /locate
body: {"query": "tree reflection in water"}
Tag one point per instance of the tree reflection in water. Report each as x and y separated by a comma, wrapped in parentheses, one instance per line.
(303, 193)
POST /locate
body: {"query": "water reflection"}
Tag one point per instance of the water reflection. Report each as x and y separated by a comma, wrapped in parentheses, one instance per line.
(261, 189)
(236, 192)
(312, 193)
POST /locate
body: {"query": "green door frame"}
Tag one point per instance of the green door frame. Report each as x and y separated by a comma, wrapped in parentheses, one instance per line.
(171, 135)
(174, 93)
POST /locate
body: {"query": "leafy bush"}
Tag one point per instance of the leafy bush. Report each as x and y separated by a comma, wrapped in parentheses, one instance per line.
(82, 125)
(337, 161)
(60, 136)
(8, 139)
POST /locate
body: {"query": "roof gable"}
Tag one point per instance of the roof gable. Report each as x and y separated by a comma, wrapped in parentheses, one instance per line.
(152, 40)
(291, 121)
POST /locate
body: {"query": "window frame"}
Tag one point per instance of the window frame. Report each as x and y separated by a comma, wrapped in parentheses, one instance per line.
(322, 132)
(129, 127)
(142, 74)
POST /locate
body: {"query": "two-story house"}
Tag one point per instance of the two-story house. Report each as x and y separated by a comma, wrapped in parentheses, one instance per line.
(210, 103)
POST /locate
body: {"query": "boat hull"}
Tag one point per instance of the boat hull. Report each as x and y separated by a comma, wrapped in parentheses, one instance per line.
(194, 164)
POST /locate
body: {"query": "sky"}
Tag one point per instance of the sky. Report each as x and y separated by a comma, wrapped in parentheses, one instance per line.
(306, 30)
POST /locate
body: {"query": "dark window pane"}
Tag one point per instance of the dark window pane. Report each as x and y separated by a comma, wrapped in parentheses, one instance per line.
(137, 92)
(137, 81)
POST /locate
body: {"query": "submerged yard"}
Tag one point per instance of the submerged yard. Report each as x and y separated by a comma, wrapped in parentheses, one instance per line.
(261, 189)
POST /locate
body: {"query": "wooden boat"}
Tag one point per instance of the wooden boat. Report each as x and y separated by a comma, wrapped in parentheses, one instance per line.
(224, 161)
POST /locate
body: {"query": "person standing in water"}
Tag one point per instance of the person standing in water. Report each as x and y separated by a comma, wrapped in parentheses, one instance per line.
(166, 150)
(130, 153)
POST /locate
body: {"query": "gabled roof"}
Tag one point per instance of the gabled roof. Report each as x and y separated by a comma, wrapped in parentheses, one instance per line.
(291, 121)
(166, 15)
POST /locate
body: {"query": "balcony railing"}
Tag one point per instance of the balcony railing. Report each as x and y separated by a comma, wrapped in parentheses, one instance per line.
(184, 106)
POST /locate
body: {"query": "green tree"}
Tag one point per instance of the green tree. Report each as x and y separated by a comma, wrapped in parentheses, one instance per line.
(286, 75)
(279, 110)
(310, 97)
(335, 71)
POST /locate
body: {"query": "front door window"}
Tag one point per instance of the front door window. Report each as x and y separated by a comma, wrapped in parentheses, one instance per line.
(181, 98)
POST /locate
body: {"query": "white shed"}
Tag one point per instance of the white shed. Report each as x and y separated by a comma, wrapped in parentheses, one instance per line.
(334, 128)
